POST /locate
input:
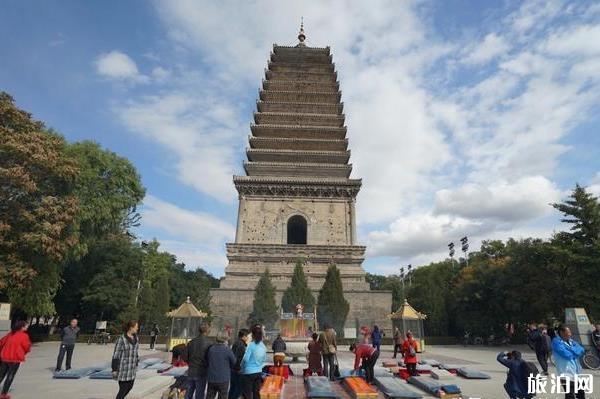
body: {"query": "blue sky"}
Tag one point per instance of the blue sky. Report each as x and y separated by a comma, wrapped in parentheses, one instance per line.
(464, 118)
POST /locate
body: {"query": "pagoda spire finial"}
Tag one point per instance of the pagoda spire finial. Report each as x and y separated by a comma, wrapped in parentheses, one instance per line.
(301, 35)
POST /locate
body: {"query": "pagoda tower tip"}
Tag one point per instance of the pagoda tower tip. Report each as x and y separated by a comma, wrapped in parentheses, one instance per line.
(301, 35)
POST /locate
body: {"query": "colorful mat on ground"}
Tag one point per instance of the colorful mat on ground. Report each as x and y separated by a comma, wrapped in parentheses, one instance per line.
(272, 387)
(451, 367)
(158, 366)
(75, 374)
(175, 371)
(395, 388)
(426, 384)
(319, 387)
(105, 374)
(283, 371)
(358, 388)
(144, 363)
(435, 388)
(390, 363)
(441, 374)
(473, 374)
(431, 362)
(424, 368)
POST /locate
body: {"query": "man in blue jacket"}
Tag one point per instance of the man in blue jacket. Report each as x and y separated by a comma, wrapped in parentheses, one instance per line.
(567, 353)
(515, 384)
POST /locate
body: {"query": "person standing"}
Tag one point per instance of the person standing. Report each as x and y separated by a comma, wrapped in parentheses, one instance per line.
(515, 385)
(595, 335)
(365, 357)
(13, 348)
(397, 341)
(328, 344)
(567, 353)
(252, 364)
(125, 358)
(238, 349)
(68, 337)
(539, 344)
(314, 355)
(153, 336)
(195, 357)
(279, 349)
(409, 351)
(220, 362)
(376, 337)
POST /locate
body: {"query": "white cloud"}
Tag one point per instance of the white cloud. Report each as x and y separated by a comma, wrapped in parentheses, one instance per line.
(195, 237)
(579, 40)
(119, 66)
(198, 131)
(160, 73)
(525, 199)
(491, 47)
(419, 118)
(196, 226)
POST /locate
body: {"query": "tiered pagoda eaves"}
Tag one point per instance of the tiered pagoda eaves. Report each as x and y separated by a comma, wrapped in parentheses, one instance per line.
(297, 200)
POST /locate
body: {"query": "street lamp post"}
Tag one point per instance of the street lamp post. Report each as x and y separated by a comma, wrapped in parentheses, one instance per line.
(410, 275)
(451, 252)
(402, 278)
(465, 248)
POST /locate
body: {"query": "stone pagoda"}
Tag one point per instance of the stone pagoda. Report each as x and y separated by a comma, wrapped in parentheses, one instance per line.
(297, 200)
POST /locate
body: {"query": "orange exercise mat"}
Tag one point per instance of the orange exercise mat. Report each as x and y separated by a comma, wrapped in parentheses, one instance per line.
(359, 389)
(272, 387)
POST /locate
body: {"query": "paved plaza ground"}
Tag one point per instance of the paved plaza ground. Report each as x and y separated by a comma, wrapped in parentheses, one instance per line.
(34, 379)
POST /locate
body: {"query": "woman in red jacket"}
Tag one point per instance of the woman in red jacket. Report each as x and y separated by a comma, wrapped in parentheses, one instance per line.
(13, 348)
(409, 350)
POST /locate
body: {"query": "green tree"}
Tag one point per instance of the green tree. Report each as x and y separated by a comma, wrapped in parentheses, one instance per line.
(108, 189)
(153, 302)
(298, 291)
(37, 209)
(332, 307)
(582, 211)
(264, 307)
(112, 291)
(193, 283)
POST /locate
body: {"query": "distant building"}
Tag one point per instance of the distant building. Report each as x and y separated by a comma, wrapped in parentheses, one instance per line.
(297, 200)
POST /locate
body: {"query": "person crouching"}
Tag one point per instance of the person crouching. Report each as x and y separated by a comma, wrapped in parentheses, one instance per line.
(365, 357)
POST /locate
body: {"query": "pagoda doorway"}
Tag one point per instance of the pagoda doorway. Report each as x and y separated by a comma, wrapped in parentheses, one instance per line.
(296, 230)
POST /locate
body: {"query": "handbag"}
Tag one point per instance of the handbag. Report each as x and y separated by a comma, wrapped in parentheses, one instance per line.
(330, 348)
(336, 367)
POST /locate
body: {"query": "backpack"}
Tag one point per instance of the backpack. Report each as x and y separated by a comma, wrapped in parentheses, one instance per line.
(527, 369)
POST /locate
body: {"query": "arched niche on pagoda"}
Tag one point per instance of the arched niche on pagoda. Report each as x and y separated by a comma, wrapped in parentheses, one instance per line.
(297, 230)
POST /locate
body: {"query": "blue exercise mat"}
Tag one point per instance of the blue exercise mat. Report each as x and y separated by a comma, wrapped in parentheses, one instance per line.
(431, 362)
(395, 388)
(144, 363)
(175, 371)
(75, 374)
(473, 374)
(319, 387)
(426, 384)
(158, 366)
(105, 374)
